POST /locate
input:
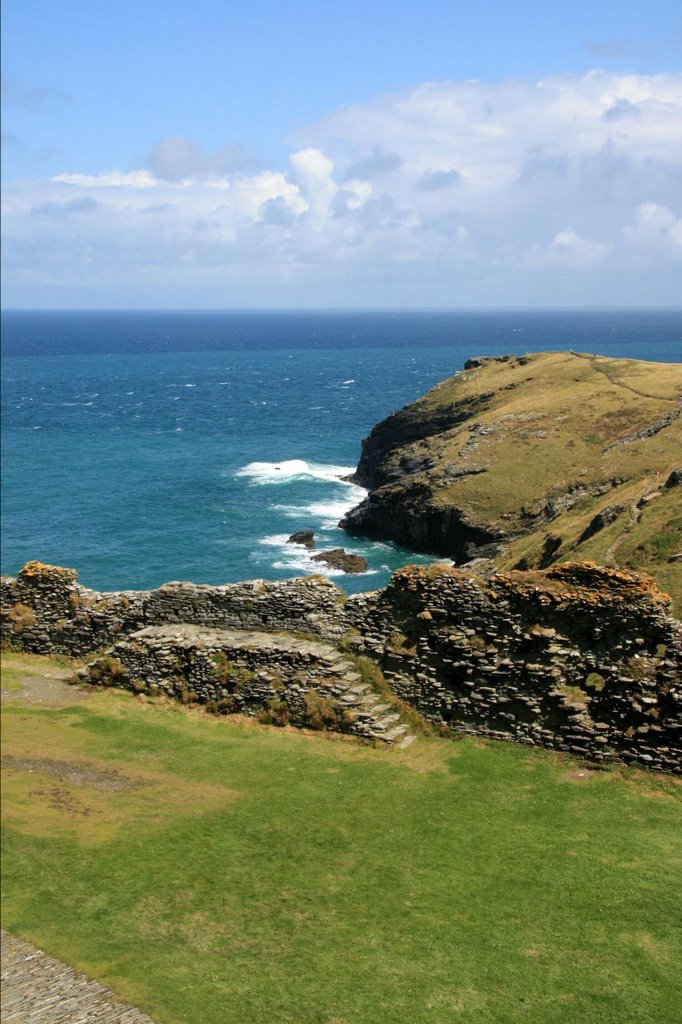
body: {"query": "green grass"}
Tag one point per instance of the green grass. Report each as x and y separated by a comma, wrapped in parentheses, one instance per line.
(263, 875)
(16, 666)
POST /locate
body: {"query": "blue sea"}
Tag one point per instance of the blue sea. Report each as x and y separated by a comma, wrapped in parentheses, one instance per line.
(143, 447)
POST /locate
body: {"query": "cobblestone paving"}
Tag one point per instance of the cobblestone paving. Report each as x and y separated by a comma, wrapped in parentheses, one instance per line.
(37, 989)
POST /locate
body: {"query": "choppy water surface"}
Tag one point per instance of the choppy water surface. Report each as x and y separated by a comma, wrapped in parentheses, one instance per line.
(145, 447)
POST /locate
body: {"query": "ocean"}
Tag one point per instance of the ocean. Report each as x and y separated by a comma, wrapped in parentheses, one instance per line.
(142, 447)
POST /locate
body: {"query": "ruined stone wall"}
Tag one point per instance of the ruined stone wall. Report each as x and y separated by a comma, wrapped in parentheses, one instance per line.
(63, 617)
(276, 677)
(579, 657)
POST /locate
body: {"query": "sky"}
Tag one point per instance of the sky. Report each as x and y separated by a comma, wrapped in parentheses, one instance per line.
(356, 155)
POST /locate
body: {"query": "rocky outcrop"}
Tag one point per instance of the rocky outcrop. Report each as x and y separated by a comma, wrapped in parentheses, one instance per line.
(512, 446)
(578, 658)
(337, 558)
(408, 514)
(304, 537)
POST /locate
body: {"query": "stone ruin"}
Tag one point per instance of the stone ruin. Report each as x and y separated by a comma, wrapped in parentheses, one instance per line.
(579, 658)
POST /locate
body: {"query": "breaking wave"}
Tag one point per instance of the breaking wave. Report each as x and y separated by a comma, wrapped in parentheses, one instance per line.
(293, 469)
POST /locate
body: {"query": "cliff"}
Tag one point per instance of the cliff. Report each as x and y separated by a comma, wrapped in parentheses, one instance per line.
(531, 460)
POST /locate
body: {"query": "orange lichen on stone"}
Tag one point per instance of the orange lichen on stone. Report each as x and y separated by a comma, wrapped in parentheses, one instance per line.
(581, 582)
(38, 570)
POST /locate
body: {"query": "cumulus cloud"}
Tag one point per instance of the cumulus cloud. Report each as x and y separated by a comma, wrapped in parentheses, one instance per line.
(568, 249)
(655, 229)
(373, 165)
(497, 185)
(432, 181)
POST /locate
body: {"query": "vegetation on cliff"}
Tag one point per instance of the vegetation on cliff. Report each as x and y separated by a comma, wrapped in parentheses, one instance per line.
(535, 460)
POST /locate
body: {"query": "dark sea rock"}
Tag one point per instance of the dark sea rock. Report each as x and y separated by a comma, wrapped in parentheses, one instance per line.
(304, 537)
(337, 558)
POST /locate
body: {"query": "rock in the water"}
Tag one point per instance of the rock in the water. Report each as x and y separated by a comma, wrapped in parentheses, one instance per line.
(304, 537)
(337, 558)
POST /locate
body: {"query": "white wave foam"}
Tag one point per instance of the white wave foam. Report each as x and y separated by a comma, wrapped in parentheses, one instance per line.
(325, 513)
(329, 512)
(293, 469)
(275, 540)
(296, 558)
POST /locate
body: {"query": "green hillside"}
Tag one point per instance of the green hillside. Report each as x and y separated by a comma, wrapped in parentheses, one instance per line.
(531, 460)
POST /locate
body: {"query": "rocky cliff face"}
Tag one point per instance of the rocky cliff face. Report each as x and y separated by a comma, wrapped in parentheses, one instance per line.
(531, 460)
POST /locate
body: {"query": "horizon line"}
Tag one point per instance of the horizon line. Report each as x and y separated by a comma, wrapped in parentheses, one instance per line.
(343, 309)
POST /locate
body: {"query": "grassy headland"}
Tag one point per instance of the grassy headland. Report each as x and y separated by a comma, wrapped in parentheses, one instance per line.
(541, 457)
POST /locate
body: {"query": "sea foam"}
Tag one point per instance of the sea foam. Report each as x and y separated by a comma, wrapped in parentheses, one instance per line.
(293, 469)
(298, 559)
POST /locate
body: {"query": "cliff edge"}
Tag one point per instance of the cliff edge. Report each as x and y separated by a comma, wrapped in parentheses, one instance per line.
(531, 460)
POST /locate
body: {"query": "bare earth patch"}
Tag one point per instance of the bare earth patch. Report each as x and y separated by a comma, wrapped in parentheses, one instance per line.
(40, 685)
(76, 774)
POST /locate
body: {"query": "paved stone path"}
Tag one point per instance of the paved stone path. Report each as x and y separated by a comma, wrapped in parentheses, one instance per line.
(37, 989)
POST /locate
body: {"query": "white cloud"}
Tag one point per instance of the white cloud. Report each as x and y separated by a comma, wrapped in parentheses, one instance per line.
(568, 249)
(502, 185)
(655, 229)
(117, 179)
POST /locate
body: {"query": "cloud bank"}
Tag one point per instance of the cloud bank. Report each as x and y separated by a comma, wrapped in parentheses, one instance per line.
(567, 189)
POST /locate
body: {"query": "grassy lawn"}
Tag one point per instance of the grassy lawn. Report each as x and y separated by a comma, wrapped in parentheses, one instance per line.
(221, 871)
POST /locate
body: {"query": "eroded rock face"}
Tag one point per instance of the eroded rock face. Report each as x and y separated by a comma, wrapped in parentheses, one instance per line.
(408, 514)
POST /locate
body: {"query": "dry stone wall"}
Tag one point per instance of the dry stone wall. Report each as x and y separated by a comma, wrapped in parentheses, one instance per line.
(277, 677)
(579, 657)
(70, 619)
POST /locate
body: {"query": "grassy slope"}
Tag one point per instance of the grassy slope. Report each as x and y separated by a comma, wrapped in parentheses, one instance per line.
(259, 875)
(548, 423)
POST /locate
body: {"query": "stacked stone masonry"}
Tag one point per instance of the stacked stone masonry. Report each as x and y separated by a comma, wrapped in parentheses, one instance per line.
(579, 658)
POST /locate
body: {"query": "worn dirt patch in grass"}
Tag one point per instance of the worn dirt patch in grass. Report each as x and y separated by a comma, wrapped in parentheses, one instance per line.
(91, 801)
(579, 774)
(77, 774)
(32, 679)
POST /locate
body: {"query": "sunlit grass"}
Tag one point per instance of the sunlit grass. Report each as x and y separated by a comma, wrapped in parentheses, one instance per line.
(250, 874)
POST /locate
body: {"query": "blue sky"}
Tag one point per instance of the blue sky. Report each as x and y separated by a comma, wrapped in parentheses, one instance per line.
(357, 154)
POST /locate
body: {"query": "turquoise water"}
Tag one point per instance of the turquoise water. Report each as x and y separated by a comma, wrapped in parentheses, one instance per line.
(140, 448)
